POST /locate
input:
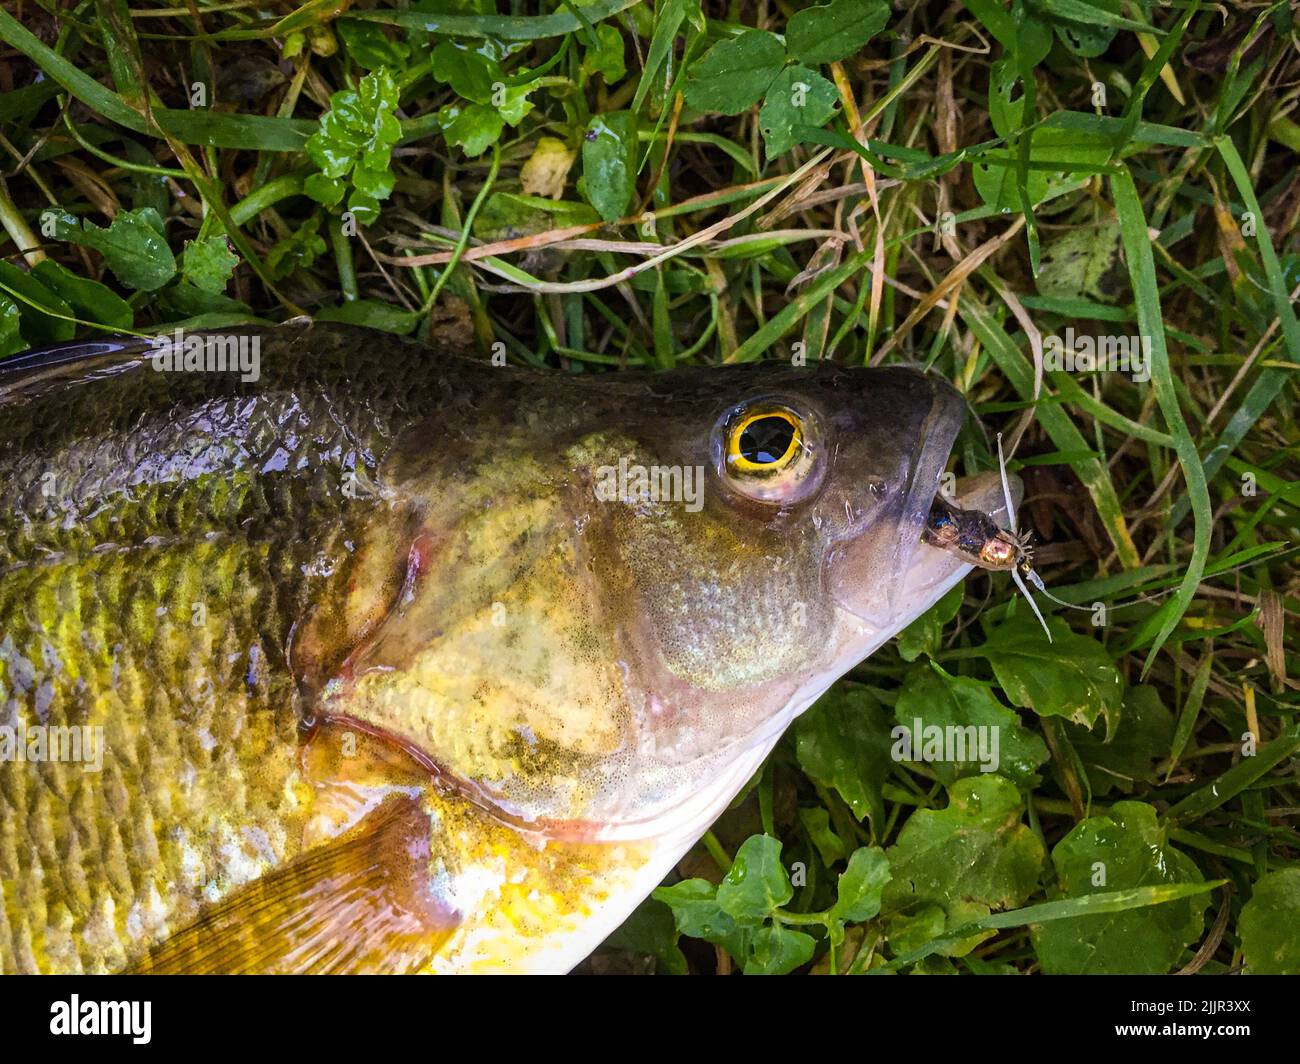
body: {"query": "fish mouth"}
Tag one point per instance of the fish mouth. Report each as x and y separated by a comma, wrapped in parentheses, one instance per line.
(928, 575)
(866, 573)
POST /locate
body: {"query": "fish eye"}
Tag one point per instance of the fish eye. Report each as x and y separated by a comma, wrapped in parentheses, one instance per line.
(764, 443)
(769, 452)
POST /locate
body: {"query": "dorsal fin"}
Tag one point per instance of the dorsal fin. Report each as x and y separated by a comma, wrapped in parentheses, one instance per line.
(76, 358)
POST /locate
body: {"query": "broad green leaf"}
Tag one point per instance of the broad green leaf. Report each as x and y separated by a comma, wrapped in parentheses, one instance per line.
(843, 743)
(996, 182)
(609, 163)
(835, 31)
(327, 191)
(377, 184)
(1086, 27)
(817, 822)
(472, 127)
(11, 337)
(1126, 848)
(697, 914)
(652, 930)
(514, 103)
(1114, 901)
(961, 716)
(1071, 677)
(995, 18)
(134, 246)
(475, 74)
(1270, 925)
(32, 297)
(1142, 737)
(798, 97)
(363, 205)
(369, 47)
(1006, 97)
(861, 886)
(912, 930)
(298, 250)
(1093, 13)
(466, 69)
(1020, 34)
(606, 59)
(208, 263)
(356, 137)
(182, 301)
(1083, 263)
(510, 214)
(89, 300)
(776, 950)
(735, 73)
(971, 858)
(756, 883)
(924, 634)
(1087, 39)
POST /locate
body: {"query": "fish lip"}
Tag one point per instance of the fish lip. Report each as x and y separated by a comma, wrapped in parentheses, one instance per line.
(868, 561)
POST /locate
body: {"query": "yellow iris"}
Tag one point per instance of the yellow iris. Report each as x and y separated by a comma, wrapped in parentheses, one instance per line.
(764, 442)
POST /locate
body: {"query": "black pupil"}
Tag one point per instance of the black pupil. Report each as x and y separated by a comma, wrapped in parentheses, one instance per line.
(766, 440)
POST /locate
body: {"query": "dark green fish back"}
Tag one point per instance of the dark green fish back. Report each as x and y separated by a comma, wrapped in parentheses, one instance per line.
(110, 450)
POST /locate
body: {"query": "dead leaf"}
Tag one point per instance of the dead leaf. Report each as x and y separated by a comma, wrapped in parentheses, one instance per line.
(546, 169)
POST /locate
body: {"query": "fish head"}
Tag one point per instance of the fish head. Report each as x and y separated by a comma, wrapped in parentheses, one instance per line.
(623, 589)
(810, 489)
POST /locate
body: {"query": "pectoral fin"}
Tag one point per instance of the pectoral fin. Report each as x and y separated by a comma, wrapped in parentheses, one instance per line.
(357, 904)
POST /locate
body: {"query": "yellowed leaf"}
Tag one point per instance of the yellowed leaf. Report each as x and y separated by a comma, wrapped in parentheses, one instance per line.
(545, 171)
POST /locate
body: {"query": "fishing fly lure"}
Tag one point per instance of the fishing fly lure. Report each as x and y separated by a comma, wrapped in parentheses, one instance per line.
(973, 536)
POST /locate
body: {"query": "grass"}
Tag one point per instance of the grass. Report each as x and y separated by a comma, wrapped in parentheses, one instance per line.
(958, 186)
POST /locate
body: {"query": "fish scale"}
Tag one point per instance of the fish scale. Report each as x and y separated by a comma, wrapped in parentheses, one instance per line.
(168, 491)
(208, 770)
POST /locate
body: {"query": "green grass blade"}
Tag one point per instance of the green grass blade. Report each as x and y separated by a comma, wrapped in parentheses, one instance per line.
(503, 27)
(1056, 422)
(1146, 297)
(1237, 778)
(1114, 901)
(251, 132)
(1269, 384)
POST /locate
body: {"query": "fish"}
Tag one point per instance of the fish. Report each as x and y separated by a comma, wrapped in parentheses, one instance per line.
(326, 651)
